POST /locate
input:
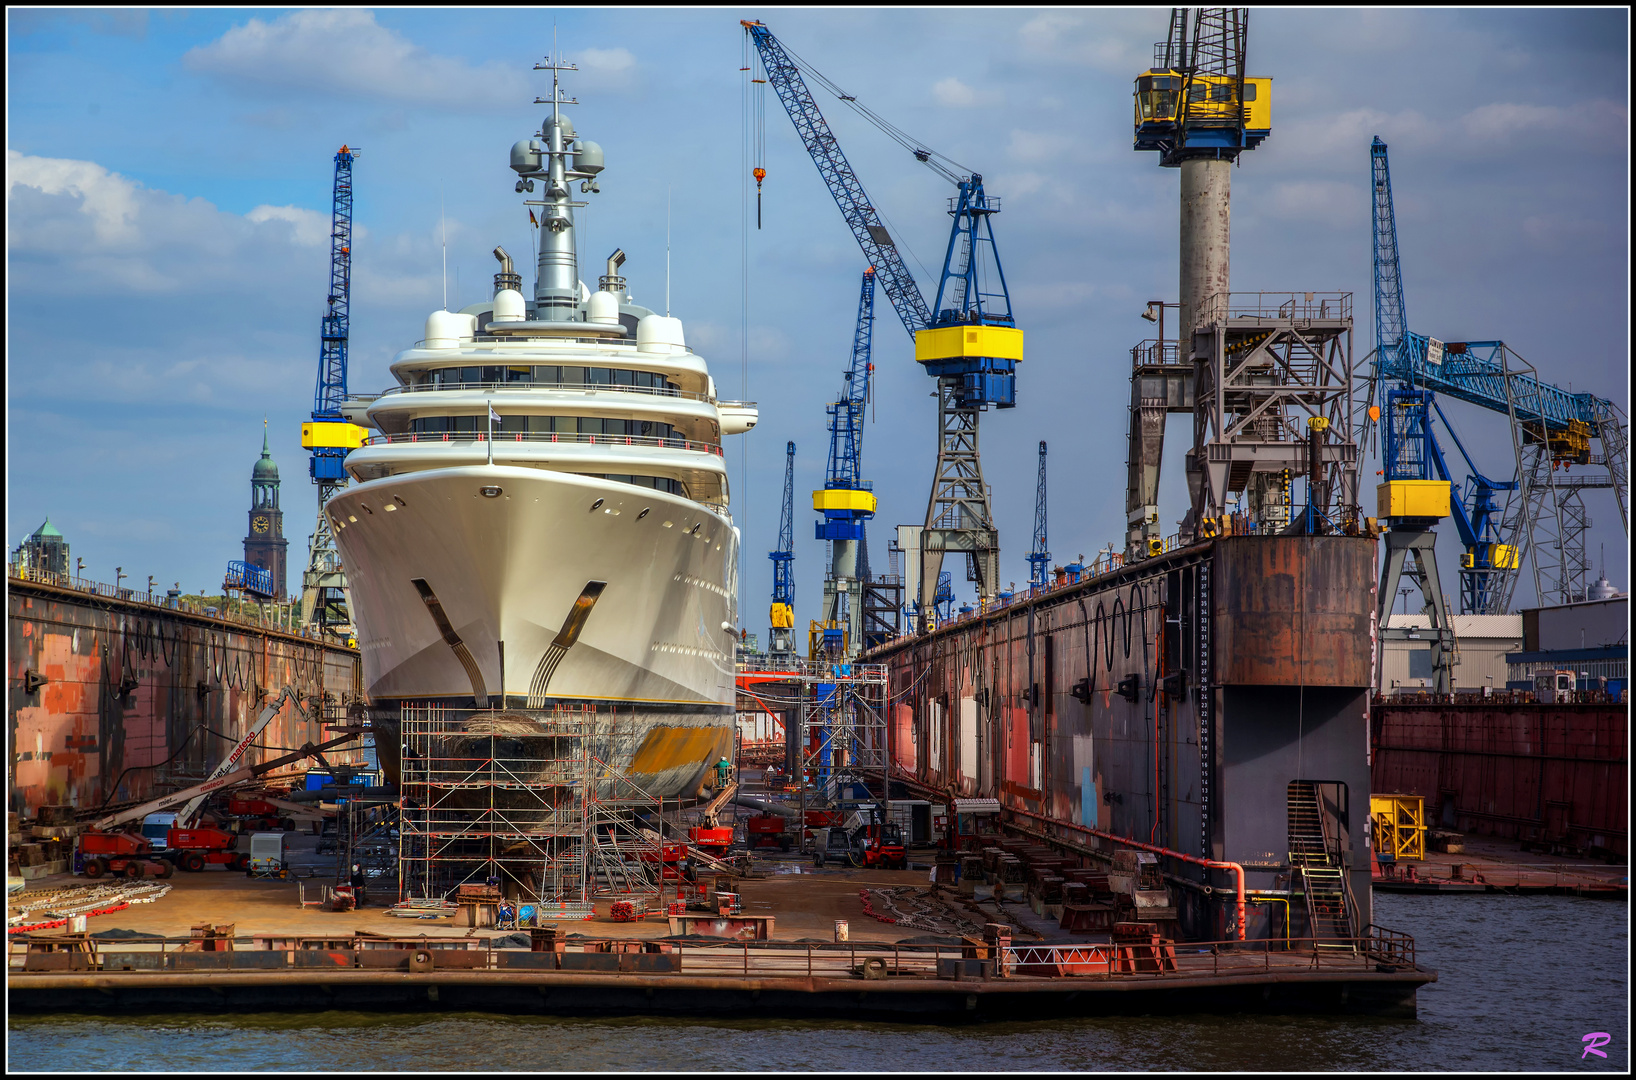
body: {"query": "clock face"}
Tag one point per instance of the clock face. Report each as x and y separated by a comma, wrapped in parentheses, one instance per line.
(260, 524)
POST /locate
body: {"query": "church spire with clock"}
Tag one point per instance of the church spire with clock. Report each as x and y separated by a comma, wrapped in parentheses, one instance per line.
(265, 546)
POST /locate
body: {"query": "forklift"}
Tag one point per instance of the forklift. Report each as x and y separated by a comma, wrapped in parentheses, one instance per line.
(877, 842)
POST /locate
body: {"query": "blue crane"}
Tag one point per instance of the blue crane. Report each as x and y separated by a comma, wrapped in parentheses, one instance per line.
(780, 636)
(846, 500)
(1411, 369)
(1040, 558)
(329, 435)
(967, 339)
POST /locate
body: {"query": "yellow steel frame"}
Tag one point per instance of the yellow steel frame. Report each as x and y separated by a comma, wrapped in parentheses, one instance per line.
(1400, 825)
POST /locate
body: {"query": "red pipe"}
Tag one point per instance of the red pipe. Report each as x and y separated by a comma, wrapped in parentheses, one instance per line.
(1238, 871)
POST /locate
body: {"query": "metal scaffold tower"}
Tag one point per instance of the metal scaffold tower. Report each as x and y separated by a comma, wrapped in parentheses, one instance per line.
(529, 798)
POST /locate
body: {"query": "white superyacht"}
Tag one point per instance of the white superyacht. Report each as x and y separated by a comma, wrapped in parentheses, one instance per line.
(541, 518)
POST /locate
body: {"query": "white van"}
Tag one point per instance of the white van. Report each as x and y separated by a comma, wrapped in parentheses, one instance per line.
(156, 830)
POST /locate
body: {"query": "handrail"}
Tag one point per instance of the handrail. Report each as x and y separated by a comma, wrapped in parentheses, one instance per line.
(153, 599)
(692, 445)
(1377, 947)
(498, 386)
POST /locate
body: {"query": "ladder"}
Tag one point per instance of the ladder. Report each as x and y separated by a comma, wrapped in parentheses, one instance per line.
(1323, 881)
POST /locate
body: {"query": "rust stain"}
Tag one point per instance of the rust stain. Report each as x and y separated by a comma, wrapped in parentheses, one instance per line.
(122, 693)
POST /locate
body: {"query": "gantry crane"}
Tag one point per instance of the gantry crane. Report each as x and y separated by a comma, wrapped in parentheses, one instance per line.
(1039, 559)
(847, 500)
(1551, 431)
(781, 634)
(967, 339)
(329, 435)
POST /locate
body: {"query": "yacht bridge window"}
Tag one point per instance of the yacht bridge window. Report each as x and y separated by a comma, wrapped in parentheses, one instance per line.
(518, 424)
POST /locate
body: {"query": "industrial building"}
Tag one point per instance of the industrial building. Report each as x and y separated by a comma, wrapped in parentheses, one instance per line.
(1482, 643)
(1590, 638)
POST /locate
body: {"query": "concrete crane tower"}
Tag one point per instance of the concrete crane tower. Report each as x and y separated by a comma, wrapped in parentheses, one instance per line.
(1200, 111)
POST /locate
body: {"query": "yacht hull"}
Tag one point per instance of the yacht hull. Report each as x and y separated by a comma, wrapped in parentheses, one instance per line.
(556, 590)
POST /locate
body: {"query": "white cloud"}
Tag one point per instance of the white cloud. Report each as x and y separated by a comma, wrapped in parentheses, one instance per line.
(347, 52)
(1504, 122)
(953, 93)
(107, 198)
(309, 227)
(615, 62)
(1037, 147)
(1328, 201)
(1106, 41)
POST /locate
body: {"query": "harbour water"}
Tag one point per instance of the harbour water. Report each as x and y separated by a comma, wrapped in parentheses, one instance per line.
(1521, 981)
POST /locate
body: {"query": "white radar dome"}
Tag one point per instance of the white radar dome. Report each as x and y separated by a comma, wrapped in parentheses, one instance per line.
(661, 334)
(447, 329)
(509, 306)
(604, 307)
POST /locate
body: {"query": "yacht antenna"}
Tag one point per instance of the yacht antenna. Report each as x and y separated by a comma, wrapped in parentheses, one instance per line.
(443, 220)
(667, 251)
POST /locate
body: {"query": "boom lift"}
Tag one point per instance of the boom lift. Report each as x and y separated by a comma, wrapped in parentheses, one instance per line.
(106, 839)
(967, 338)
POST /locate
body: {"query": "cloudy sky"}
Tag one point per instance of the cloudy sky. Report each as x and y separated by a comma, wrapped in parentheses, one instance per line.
(168, 195)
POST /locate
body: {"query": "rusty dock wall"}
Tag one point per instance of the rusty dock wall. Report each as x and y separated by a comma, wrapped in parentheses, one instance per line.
(103, 691)
(1172, 701)
(1540, 773)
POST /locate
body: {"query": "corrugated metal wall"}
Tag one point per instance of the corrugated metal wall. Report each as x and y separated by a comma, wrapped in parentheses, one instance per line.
(1532, 772)
(127, 684)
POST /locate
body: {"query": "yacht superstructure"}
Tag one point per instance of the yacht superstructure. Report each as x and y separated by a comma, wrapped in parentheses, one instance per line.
(542, 516)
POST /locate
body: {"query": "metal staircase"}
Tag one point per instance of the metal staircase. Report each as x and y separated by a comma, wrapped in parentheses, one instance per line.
(1314, 855)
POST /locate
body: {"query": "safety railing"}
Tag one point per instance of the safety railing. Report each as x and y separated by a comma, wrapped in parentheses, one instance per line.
(684, 395)
(480, 437)
(72, 582)
(1276, 305)
(1378, 948)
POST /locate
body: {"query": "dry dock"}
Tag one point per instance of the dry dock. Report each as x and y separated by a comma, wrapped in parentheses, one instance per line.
(282, 956)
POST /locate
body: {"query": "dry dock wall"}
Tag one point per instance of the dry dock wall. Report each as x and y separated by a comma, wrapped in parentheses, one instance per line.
(1245, 665)
(126, 684)
(1557, 773)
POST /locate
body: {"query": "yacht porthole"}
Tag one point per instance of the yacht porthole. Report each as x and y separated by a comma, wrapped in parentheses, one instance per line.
(596, 504)
(490, 492)
(365, 508)
(399, 500)
(644, 513)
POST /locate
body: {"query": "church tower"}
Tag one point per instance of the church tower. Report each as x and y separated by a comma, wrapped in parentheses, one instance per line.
(265, 546)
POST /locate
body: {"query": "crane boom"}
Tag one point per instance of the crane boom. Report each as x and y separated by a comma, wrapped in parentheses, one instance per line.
(227, 772)
(860, 214)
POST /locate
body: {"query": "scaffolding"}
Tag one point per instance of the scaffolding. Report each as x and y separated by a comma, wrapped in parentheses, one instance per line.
(839, 733)
(530, 800)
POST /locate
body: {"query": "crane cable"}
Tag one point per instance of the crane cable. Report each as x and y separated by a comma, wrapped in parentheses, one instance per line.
(942, 164)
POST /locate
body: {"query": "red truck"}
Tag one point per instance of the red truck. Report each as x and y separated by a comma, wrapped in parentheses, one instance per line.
(121, 853)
